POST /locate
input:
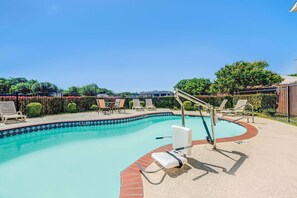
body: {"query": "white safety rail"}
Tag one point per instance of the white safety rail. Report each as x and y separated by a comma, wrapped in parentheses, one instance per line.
(181, 94)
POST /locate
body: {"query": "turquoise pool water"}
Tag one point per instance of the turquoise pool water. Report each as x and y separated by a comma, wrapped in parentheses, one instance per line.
(86, 161)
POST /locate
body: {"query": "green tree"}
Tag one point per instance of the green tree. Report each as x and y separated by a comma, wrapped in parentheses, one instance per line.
(194, 86)
(14, 81)
(23, 87)
(90, 90)
(242, 75)
(45, 88)
(72, 91)
(93, 90)
(105, 91)
(4, 85)
(292, 74)
(126, 94)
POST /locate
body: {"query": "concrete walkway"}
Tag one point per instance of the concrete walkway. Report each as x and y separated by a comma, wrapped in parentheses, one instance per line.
(75, 117)
(264, 166)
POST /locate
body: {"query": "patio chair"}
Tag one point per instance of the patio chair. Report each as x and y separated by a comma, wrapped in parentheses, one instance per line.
(117, 103)
(238, 109)
(222, 106)
(182, 147)
(102, 106)
(136, 105)
(121, 105)
(149, 104)
(8, 111)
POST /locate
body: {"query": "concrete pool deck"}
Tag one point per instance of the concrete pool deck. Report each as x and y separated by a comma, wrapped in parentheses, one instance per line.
(263, 166)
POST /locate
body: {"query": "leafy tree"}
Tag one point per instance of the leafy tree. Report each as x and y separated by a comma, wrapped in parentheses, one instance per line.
(23, 87)
(105, 91)
(72, 91)
(14, 81)
(126, 94)
(194, 86)
(241, 75)
(4, 85)
(292, 74)
(93, 90)
(44, 88)
(90, 90)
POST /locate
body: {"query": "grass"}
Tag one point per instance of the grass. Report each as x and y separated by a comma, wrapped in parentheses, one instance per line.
(293, 120)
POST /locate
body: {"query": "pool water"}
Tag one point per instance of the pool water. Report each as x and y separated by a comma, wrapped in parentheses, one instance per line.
(86, 161)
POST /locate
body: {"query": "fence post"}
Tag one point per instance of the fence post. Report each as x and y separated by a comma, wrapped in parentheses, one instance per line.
(61, 103)
(17, 101)
(288, 101)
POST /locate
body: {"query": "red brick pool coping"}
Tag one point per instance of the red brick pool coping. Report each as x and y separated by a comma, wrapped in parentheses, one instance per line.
(131, 182)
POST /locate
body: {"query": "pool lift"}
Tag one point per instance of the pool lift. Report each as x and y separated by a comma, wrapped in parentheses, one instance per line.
(208, 107)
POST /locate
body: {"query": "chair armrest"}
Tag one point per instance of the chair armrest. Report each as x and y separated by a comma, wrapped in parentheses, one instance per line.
(240, 107)
(19, 113)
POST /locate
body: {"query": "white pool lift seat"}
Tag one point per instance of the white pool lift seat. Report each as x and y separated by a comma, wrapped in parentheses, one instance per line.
(182, 147)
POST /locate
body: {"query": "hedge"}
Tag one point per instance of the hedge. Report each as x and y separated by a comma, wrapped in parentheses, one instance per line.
(56, 105)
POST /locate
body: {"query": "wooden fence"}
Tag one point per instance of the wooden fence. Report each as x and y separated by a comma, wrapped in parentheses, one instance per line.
(287, 100)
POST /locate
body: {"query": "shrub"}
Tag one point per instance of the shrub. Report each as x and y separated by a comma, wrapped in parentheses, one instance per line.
(142, 103)
(187, 105)
(196, 107)
(83, 103)
(175, 108)
(166, 102)
(94, 108)
(34, 109)
(269, 112)
(259, 101)
(71, 108)
(130, 104)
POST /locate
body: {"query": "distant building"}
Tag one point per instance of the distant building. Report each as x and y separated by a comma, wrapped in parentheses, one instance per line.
(288, 80)
(153, 94)
(102, 95)
(272, 89)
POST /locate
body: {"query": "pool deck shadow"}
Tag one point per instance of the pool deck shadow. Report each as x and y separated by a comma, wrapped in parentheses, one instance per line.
(146, 161)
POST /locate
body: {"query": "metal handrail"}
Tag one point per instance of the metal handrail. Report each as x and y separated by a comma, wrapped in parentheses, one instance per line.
(179, 93)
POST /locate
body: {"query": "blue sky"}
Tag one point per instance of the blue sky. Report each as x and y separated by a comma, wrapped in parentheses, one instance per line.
(142, 45)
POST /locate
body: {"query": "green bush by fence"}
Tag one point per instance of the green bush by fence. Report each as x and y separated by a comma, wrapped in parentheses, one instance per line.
(94, 108)
(34, 109)
(71, 107)
(56, 105)
(188, 105)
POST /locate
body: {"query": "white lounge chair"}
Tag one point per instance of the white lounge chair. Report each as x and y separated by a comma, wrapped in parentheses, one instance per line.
(182, 145)
(238, 109)
(222, 106)
(136, 105)
(149, 104)
(8, 111)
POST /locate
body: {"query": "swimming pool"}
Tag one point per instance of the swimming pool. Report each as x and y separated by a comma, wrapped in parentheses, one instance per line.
(86, 161)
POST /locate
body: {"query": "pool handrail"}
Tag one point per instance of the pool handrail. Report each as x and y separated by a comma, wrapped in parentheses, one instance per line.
(179, 93)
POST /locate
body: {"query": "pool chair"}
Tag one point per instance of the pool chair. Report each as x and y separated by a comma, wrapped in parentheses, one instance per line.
(120, 106)
(182, 147)
(222, 106)
(149, 104)
(238, 109)
(102, 106)
(136, 105)
(8, 111)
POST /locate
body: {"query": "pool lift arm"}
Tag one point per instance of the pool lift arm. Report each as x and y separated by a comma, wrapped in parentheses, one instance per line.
(181, 94)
